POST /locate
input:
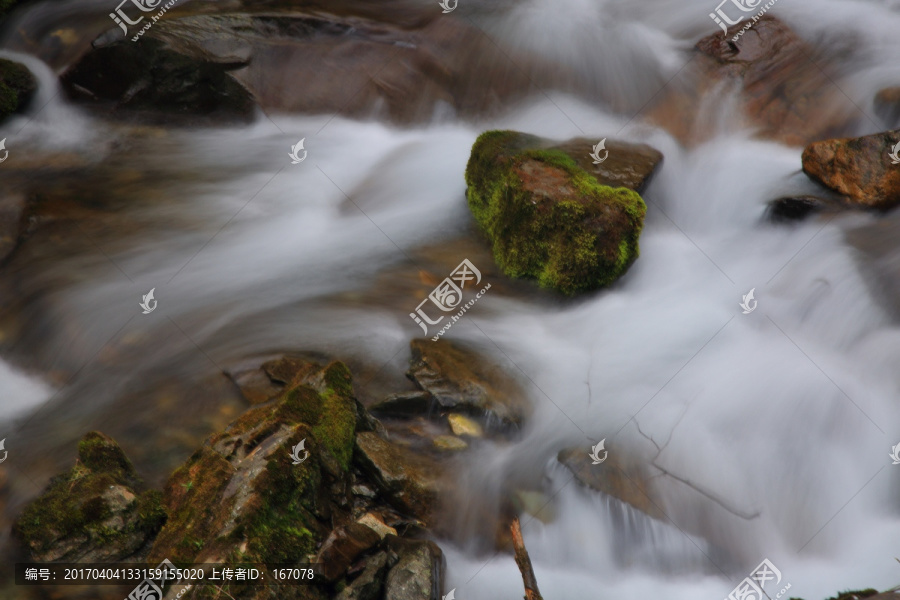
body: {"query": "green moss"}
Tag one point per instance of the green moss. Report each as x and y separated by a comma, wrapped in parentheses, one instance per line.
(101, 454)
(17, 84)
(301, 404)
(584, 238)
(73, 505)
(331, 414)
(277, 531)
(855, 595)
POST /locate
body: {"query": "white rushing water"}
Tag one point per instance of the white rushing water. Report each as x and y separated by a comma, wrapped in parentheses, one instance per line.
(788, 412)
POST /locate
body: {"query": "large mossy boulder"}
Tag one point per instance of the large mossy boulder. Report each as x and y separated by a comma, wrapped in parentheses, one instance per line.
(862, 168)
(547, 218)
(240, 497)
(17, 87)
(95, 512)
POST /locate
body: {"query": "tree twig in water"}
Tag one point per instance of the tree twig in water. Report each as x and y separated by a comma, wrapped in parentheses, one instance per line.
(524, 563)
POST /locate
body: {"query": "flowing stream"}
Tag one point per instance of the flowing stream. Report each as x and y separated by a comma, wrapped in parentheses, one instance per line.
(786, 414)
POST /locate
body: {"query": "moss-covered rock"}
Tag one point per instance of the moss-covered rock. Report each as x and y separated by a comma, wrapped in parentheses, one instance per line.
(241, 497)
(547, 218)
(17, 86)
(94, 512)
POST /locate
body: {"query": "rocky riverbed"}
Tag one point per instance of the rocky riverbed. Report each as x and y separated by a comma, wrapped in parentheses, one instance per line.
(282, 408)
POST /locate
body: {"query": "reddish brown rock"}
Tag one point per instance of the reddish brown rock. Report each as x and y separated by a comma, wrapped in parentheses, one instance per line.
(343, 546)
(783, 87)
(859, 168)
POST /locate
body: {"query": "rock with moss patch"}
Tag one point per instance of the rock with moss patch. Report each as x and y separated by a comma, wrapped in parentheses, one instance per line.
(549, 219)
(17, 87)
(96, 511)
(241, 497)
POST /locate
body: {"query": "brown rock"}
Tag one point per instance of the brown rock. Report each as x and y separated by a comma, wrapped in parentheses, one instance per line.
(370, 583)
(310, 59)
(418, 572)
(859, 168)
(614, 477)
(343, 546)
(461, 380)
(408, 479)
(887, 104)
(627, 165)
(783, 91)
(12, 207)
(406, 404)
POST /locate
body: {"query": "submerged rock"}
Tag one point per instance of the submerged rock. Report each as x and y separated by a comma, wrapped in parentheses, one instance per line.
(12, 210)
(405, 404)
(17, 87)
(96, 512)
(887, 105)
(459, 379)
(547, 218)
(626, 483)
(796, 208)
(859, 168)
(463, 425)
(767, 72)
